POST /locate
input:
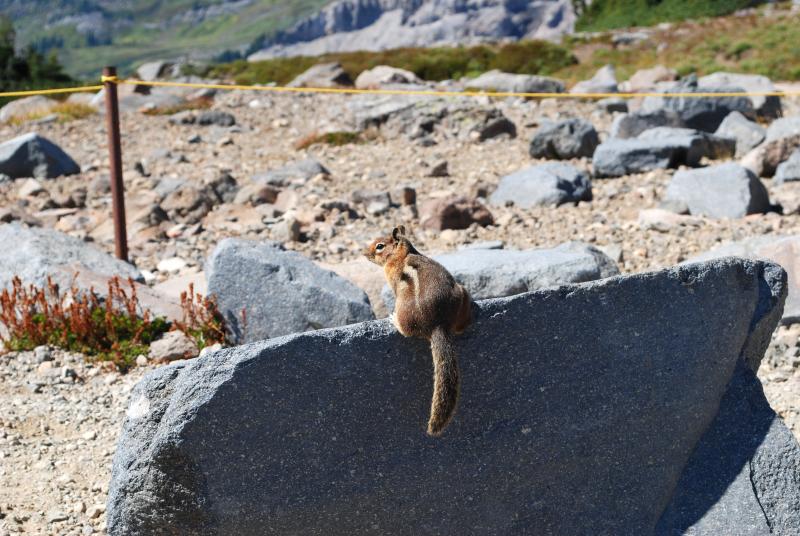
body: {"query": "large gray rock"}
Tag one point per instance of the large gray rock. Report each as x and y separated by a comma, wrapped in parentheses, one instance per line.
(643, 421)
(631, 125)
(788, 170)
(32, 155)
(785, 127)
(782, 250)
(570, 138)
(153, 70)
(721, 191)
(35, 253)
(515, 83)
(663, 149)
(495, 273)
(748, 134)
(384, 75)
(713, 147)
(323, 75)
(701, 113)
(768, 107)
(26, 108)
(550, 184)
(603, 81)
(280, 291)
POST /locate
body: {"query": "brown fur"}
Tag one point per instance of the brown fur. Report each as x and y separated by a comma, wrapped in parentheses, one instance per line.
(430, 305)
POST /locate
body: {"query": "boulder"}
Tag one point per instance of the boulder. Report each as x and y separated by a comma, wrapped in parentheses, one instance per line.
(789, 170)
(38, 253)
(765, 159)
(613, 104)
(32, 155)
(631, 125)
(323, 75)
(713, 147)
(748, 134)
(279, 291)
(768, 107)
(383, 75)
(617, 157)
(298, 171)
(453, 212)
(722, 191)
(496, 273)
(25, 108)
(498, 81)
(477, 123)
(648, 419)
(701, 113)
(550, 184)
(153, 70)
(648, 79)
(783, 250)
(570, 138)
(604, 81)
(785, 127)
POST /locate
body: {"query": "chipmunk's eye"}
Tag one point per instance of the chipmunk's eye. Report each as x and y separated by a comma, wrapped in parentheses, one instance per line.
(379, 247)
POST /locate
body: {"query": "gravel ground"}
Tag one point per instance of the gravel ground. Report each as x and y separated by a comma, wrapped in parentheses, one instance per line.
(59, 416)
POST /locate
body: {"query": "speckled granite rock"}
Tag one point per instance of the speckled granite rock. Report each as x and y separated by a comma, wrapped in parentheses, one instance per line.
(646, 420)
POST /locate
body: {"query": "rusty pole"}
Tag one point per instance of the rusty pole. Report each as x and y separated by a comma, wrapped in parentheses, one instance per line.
(115, 163)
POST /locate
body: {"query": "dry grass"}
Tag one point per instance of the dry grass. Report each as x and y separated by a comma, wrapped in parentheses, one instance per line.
(115, 329)
(196, 104)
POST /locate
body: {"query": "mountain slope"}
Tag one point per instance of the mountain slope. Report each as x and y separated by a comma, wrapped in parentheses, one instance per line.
(87, 34)
(351, 25)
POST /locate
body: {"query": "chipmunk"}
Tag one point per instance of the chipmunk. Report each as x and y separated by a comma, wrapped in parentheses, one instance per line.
(430, 305)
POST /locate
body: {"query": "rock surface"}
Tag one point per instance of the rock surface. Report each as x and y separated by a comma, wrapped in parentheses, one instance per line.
(26, 107)
(767, 107)
(701, 113)
(721, 191)
(42, 252)
(280, 291)
(383, 75)
(570, 138)
(238, 440)
(323, 75)
(453, 212)
(632, 124)
(788, 170)
(515, 83)
(34, 156)
(550, 184)
(496, 273)
(351, 25)
(617, 157)
(603, 81)
(748, 134)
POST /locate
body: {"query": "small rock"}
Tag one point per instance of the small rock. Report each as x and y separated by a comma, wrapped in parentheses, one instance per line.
(172, 264)
(173, 345)
(55, 517)
(216, 117)
(550, 184)
(454, 212)
(789, 170)
(30, 188)
(286, 230)
(95, 511)
(404, 195)
(439, 169)
(141, 360)
(747, 134)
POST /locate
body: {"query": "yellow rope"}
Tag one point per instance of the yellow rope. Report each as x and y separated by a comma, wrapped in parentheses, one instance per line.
(407, 92)
(434, 93)
(50, 91)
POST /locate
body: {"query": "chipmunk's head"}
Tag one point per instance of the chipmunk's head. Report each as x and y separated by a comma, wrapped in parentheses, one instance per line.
(381, 249)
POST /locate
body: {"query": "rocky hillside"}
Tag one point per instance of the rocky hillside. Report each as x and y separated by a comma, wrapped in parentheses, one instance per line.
(88, 34)
(348, 25)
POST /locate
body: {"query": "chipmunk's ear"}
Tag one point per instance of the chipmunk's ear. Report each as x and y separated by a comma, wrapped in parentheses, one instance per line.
(398, 232)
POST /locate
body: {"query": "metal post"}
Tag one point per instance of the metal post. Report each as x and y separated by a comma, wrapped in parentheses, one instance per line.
(115, 162)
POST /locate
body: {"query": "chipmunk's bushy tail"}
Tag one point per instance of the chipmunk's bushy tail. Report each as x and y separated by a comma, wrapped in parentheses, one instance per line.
(446, 380)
